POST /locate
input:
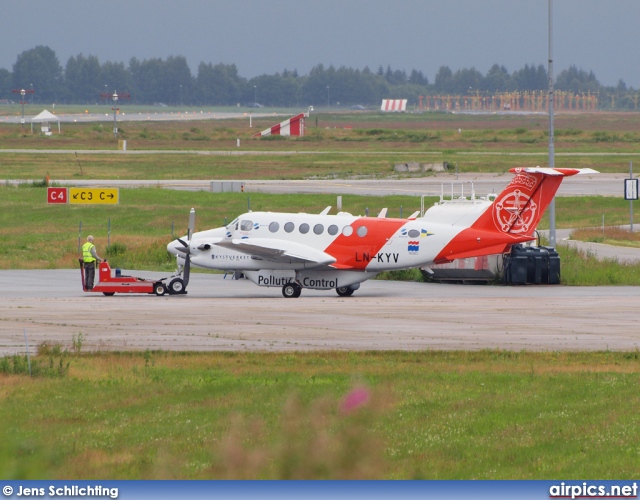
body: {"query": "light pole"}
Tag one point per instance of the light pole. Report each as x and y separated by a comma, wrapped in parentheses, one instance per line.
(255, 95)
(22, 101)
(552, 205)
(31, 84)
(180, 94)
(327, 96)
(105, 92)
(115, 110)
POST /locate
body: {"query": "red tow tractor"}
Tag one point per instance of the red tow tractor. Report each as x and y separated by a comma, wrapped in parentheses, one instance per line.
(110, 283)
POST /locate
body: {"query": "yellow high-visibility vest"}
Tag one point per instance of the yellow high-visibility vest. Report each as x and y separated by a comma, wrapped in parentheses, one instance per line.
(86, 253)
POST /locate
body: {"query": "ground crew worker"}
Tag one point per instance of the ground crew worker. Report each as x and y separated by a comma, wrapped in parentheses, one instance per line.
(89, 257)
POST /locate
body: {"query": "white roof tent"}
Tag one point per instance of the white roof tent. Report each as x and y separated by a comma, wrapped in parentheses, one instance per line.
(44, 118)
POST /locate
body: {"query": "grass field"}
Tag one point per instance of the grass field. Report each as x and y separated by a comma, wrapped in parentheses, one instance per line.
(322, 415)
(141, 224)
(338, 415)
(344, 144)
(608, 236)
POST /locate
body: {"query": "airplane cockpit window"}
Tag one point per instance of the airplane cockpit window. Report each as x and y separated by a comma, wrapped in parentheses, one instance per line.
(414, 233)
(347, 230)
(289, 227)
(318, 229)
(246, 225)
(332, 230)
(362, 231)
(304, 228)
(273, 227)
(233, 225)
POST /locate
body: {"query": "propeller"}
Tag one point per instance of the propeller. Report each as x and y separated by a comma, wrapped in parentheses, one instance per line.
(186, 250)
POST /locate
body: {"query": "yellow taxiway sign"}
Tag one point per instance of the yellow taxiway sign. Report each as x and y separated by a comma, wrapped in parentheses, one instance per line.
(107, 196)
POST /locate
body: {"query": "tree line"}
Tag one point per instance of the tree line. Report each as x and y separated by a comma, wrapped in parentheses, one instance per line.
(170, 81)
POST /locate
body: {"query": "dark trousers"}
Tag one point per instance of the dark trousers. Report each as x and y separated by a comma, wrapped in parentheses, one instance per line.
(89, 274)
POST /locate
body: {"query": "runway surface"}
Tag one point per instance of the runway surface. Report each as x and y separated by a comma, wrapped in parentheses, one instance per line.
(480, 183)
(225, 314)
(125, 116)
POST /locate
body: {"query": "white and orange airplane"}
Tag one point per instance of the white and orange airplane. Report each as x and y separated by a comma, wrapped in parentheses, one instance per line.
(322, 251)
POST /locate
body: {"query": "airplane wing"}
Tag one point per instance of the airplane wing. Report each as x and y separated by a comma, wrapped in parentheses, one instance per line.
(278, 251)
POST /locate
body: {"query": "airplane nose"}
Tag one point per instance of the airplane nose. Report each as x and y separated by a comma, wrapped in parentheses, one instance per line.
(171, 247)
(176, 248)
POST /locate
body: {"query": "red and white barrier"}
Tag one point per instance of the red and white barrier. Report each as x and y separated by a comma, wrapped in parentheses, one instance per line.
(393, 105)
(292, 126)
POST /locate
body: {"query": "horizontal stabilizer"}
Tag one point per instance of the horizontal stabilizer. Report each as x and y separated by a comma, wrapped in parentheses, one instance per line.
(554, 171)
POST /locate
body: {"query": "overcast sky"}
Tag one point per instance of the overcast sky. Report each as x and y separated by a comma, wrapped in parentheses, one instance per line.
(268, 36)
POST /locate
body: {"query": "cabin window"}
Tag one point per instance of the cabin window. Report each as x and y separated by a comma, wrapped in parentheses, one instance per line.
(347, 230)
(414, 233)
(362, 231)
(304, 228)
(318, 229)
(246, 225)
(289, 227)
(332, 230)
(273, 227)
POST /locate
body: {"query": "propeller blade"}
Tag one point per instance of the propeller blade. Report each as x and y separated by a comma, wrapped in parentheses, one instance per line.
(187, 271)
(192, 222)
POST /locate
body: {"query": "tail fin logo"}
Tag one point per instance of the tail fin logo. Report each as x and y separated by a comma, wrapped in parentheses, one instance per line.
(515, 212)
(524, 179)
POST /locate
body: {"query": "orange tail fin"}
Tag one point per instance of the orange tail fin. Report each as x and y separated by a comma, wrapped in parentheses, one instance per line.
(519, 208)
(513, 216)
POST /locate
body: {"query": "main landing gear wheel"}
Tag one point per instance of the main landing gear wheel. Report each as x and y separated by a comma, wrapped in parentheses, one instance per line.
(159, 289)
(176, 286)
(291, 290)
(345, 291)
